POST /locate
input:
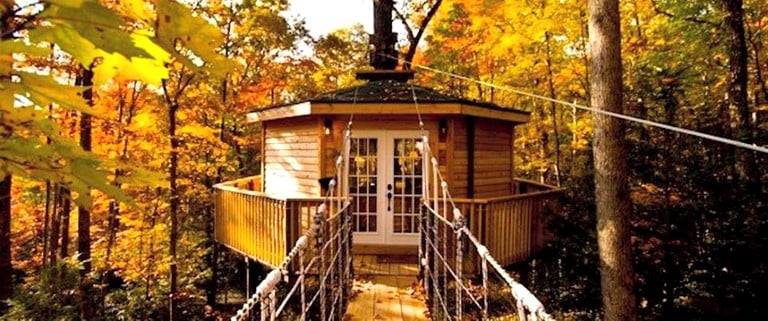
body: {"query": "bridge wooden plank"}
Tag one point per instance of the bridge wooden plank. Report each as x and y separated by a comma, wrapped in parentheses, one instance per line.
(385, 292)
(411, 302)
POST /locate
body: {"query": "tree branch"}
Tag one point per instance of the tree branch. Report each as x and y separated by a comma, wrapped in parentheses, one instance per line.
(415, 42)
(686, 18)
(405, 24)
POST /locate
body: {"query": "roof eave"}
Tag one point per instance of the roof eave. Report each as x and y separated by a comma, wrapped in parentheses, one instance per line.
(387, 108)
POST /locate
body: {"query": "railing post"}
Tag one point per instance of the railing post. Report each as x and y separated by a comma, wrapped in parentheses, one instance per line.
(272, 305)
(248, 282)
(482, 251)
(458, 226)
(521, 315)
(423, 253)
(350, 268)
(303, 289)
(263, 311)
(341, 281)
(317, 231)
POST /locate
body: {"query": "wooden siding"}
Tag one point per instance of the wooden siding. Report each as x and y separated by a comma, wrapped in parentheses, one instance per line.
(493, 170)
(291, 160)
(493, 158)
(459, 160)
(332, 143)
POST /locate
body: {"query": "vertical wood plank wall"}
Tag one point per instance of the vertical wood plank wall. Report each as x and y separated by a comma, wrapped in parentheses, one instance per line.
(291, 163)
(459, 159)
(493, 164)
(493, 170)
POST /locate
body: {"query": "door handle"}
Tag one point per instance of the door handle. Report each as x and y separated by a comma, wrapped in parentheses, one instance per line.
(389, 197)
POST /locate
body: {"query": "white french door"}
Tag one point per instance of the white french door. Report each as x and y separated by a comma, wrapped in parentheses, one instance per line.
(385, 179)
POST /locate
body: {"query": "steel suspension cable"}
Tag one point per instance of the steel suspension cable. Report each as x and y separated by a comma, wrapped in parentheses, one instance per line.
(719, 139)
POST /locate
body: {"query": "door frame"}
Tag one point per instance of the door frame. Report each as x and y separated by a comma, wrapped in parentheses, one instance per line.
(384, 234)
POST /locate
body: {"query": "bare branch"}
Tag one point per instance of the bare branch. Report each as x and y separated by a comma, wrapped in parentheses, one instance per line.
(415, 42)
(405, 24)
(686, 18)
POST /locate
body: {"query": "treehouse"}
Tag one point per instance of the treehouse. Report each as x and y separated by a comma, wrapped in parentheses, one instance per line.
(262, 216)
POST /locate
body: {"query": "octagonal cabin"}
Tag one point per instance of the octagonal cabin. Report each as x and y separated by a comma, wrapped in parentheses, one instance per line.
(472, 141)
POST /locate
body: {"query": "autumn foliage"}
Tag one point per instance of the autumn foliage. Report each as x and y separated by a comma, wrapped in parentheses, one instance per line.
(698, 228)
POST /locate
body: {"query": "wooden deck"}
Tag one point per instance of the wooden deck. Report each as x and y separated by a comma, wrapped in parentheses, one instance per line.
(266, 227)
(386, 289)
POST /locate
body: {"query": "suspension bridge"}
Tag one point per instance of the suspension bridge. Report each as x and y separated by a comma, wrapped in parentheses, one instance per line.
(455, 277)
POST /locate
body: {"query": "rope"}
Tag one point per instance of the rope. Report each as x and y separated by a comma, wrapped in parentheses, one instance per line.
(352, 112)
(336, 243)
(432, 240)
(418, 111)
(719, 139)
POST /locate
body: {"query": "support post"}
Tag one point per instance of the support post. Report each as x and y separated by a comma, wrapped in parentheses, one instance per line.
(350, 255)
(272, 305)
(318, 231)
(423, 253)
(341, 278)
(458, 225)
(248, 283)
(303, 287)
(482, 251)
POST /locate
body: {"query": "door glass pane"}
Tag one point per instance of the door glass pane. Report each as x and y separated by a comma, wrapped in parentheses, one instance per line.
(407, 192)
(362, 183)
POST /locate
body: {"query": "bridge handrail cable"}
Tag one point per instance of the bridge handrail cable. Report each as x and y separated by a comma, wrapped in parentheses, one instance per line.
(337, 269)
(437, 204)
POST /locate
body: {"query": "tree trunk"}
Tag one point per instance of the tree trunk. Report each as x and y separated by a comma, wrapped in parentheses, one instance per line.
(46, 221)
(84, 214)
(611, 189)
(553, 106)
(756, 49)
(173, 107)
(6, 268)
(384, 55)
(66, 209)
(53, 240)
(738, 107)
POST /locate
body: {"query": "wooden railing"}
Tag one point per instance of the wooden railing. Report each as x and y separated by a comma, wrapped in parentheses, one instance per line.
(251, 223)
(262, 227)
(524, 186)
(265, 227)
(510, 227)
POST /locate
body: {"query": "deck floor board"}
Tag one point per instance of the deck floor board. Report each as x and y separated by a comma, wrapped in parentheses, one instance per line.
(385, 291)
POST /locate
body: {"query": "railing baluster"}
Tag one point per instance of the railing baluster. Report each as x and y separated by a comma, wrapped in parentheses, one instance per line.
(423, 253)
(458, 225)
(318, 231)
(482, 251)
(302, 279)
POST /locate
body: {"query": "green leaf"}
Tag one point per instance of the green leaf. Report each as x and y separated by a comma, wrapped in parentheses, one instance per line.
(83, 12)
(9, 47)
(44, 90)
(69, 40)
(63, 162)
(178, 29)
